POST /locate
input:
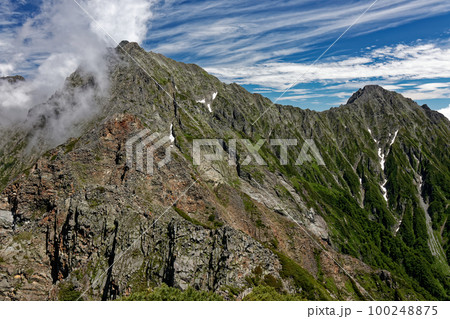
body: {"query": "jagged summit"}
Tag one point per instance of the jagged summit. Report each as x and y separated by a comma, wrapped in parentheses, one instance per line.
(388, 109)
(129, 46)
(123, 43)
(369, 92)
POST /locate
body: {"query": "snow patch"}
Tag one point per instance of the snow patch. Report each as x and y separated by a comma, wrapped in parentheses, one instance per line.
(398, 228)
(384, 190)
(172, 138)
(382, 162)
(369, 131)
(208, 101)
(395, 136)
(382, 158)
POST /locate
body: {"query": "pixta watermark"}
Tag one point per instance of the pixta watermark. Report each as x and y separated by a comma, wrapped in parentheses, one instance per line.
(141, 149)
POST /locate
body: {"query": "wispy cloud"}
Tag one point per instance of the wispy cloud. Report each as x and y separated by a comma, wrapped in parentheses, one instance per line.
(259, 43)
(49, 45)
(53, 42)
(244, 33)
(270, 44)
(387, 64)
(428, 91)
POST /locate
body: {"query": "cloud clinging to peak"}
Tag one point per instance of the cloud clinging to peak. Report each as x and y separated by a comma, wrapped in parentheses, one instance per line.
(49, 45)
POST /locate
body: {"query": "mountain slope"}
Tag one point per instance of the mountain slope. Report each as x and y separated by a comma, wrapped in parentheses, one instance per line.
(370, 223)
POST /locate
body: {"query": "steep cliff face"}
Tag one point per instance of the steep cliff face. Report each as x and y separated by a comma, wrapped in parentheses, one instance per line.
(370, 223)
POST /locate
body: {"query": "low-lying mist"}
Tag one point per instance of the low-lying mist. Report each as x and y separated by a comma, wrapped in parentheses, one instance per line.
(48, 47)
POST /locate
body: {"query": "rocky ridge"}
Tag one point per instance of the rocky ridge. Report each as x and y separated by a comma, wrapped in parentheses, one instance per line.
(77, 209)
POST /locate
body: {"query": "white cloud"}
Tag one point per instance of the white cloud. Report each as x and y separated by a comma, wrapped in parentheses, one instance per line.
(426, 91)
(417, 94)
(60, 38)
(123, 20)
(249, 32)
(392, 87)
(407, 84)
(432, 86)
(301, 97)
(50, 45)
(6, 69)
(401, 62)
(445, 111)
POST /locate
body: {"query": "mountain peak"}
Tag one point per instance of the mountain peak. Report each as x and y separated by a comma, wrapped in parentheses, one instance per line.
(128, 46)
(368, 92)
(12, 78)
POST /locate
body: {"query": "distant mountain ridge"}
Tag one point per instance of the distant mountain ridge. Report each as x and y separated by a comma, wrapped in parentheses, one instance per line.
(12, 79)
(370, 223)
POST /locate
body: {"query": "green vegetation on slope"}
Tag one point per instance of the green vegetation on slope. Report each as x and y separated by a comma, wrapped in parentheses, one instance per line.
(165, 293)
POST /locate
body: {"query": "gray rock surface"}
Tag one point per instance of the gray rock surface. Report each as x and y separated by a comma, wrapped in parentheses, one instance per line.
(6, 219)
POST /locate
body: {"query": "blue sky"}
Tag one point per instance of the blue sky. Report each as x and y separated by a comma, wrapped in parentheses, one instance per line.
(266, 46)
